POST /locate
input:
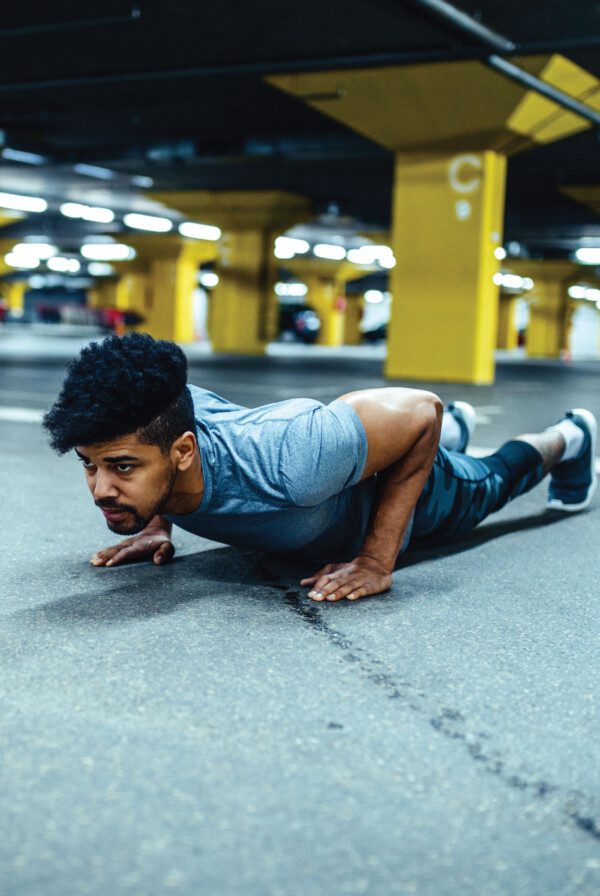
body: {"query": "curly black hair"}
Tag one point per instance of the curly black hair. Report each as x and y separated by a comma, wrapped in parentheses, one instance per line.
(133, 384)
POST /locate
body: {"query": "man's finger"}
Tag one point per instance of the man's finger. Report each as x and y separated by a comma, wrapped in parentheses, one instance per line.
(164, 553)
(342, 590)
(127, 552)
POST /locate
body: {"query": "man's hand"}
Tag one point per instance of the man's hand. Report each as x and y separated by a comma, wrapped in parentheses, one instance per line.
(155, 543)
(361, 577)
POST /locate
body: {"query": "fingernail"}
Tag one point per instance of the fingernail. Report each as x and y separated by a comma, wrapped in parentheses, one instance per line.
(331, 597)
(109, 563)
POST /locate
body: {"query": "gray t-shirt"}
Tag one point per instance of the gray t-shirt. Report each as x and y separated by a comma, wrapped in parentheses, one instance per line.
(282, 478)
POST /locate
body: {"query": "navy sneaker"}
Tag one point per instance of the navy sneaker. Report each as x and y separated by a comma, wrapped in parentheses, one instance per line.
(573, 482)
(464, 414)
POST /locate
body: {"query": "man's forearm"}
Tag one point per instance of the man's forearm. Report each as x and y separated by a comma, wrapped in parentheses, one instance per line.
(398, 490)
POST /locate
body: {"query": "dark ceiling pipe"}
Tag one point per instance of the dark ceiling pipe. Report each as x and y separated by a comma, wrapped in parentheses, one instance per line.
(464, 24)
(461, 22)
(53, 27)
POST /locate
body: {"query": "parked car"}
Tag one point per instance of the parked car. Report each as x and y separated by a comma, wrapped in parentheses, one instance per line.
(298, 322)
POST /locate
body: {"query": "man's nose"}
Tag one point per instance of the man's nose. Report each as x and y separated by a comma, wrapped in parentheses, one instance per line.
(104, 486)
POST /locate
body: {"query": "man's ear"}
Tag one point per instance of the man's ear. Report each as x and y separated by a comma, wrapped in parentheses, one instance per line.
(184, 448)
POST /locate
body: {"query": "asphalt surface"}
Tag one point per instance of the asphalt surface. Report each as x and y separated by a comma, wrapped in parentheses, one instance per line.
(204, 728)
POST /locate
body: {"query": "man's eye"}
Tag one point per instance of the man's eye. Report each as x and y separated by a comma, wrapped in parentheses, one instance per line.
(124, 468)
(87, 465)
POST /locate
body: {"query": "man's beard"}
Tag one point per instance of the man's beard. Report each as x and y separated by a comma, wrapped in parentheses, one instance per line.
(140, 522)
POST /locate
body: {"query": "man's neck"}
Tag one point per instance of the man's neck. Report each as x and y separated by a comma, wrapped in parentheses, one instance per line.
(188, 490)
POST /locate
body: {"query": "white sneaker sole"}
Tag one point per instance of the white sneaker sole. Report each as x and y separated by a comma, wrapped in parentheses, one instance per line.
(469, 416)
(554, 503)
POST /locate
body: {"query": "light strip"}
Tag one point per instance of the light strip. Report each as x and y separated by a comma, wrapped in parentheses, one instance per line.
(22, 203)
(153, 223)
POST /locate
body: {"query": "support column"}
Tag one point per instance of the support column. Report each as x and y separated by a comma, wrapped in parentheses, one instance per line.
(447, 221)
(160, 283)
(14, 293)
(243, 304)
(243, 308)
(508, 335)
(352, 320)
(323, 296)
(550, 310)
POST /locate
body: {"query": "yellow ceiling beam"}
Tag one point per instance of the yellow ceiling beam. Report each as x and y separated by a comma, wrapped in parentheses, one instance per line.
(448, 106)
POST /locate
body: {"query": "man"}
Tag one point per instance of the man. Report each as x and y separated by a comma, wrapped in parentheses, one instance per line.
(343, 486)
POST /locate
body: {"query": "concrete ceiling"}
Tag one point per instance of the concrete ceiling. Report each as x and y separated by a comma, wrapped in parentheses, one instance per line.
(176, 92)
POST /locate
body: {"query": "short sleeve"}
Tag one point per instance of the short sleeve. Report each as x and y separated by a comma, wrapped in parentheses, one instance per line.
(323, 451)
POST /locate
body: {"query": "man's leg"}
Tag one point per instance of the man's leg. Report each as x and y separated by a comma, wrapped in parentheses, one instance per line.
(462, 491)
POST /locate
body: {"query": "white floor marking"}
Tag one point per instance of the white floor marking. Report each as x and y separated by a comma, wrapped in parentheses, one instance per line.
(21, 415)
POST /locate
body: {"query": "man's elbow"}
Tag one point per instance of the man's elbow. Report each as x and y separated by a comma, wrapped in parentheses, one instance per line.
(431, 411)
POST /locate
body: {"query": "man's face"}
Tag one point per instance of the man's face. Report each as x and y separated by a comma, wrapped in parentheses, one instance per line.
(129, 481)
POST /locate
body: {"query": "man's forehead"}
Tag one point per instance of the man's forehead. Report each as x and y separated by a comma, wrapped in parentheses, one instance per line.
(129, 446)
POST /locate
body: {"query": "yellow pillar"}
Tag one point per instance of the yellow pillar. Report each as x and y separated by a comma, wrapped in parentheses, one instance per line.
(103, 294)
(453, 124)
(14, 294)
(352, 320)
(323, 296)
(550, 309)
(160, 282)
(447, 221)
(243, 304)
(508, 335)
(243, 307)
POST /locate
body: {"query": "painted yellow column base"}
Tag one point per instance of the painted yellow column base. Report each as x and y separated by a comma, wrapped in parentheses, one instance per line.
(241, 313)
(323, 297)
(352, 320)
(508, 336)
(448, 215)
(549, 320)
(14, 294)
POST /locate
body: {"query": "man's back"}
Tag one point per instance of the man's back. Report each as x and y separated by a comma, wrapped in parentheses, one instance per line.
(284, 475)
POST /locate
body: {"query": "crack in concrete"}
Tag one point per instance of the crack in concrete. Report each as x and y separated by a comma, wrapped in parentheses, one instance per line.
(451, 723)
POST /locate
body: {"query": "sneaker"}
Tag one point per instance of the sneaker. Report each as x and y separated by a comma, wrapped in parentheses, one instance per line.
(573, 482)
(464, 414)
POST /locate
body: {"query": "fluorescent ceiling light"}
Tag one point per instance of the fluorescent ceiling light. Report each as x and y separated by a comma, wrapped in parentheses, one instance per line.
(513, 281)
(18, 155)
(94, 171)
(199, 231)
(291, 289)
(95, 213)
(35, 250)
(500, 253)
(588, 256)
(374, 296)
(22, 203)
(591, 293)
(328, 250)
(64, 265)
(107, 252)
(139, 180)
(153, 223)
(370, 253)
(288, 244)
(100, 269)
(21, 261)
(387, 261)
(208, 279)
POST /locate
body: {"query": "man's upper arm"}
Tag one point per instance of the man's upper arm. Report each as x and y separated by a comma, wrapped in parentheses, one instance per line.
(394, 419)
(322, 452)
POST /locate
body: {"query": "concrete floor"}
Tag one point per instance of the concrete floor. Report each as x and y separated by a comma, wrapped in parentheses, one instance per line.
(203, 728)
